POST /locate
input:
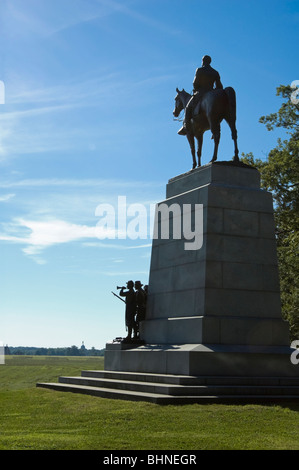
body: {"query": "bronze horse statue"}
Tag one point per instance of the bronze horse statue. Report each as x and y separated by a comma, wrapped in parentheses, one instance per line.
(215, 105)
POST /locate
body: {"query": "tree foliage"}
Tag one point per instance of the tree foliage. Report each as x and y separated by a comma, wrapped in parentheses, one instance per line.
(67, 351)
(280, 175)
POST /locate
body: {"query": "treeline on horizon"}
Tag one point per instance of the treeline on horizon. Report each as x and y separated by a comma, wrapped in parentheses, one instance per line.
(67, 351)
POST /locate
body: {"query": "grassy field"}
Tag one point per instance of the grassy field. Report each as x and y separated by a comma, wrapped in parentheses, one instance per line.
(40, 419)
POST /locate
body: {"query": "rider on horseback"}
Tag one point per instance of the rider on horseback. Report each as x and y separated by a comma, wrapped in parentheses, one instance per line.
(204, 80)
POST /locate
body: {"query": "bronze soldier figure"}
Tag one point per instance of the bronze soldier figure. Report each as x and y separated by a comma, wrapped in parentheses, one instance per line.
(140, 305)
(205, 79)
(130, 299)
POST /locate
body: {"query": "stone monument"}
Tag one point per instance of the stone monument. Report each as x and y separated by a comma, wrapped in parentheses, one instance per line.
(213, 328)
(214, 310)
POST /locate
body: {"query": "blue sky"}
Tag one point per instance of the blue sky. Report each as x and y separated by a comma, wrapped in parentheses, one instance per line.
(89, 95)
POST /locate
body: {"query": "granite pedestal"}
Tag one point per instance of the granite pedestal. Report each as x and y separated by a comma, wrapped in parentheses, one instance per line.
(214, 310)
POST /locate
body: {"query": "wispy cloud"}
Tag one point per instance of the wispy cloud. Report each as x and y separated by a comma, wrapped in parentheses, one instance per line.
(37, 19)
(121, 7)
(69, 93)
(40, 235)
(104, 183)
(44, 234)
(33, 112)
(36, 120)
(63, 211)
(46, 19)
(117, 246)
(66, 116)
(95, 10)
(6, 197)
(76, 199)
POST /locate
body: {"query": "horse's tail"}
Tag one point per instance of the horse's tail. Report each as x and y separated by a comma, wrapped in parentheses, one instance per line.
(231, 94)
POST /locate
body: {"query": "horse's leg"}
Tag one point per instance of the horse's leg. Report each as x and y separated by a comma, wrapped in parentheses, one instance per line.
(232, 125)
(230, 117)
(215, 128)
(234, 137)
(190, 138)
(199, 148)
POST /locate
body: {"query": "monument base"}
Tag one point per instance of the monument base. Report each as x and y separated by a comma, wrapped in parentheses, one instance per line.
(190, 373)
(202, 360)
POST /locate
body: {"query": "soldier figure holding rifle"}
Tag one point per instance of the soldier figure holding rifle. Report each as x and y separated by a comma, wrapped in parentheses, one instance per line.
(130, 299)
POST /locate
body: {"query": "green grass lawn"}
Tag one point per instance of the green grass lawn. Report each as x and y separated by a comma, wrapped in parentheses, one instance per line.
(40, 419)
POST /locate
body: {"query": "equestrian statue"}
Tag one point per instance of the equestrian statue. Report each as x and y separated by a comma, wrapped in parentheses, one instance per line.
(205, 110)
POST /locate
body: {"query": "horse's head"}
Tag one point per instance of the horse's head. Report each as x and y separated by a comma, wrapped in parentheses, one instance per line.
(179, 104)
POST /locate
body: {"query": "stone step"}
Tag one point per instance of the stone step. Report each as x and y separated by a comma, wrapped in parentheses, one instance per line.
(163, 399)
(103, 392)
(190, 380)
(180, 390)
(143, 377)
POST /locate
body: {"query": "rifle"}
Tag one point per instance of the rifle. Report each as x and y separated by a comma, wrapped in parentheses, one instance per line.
(118, 297)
